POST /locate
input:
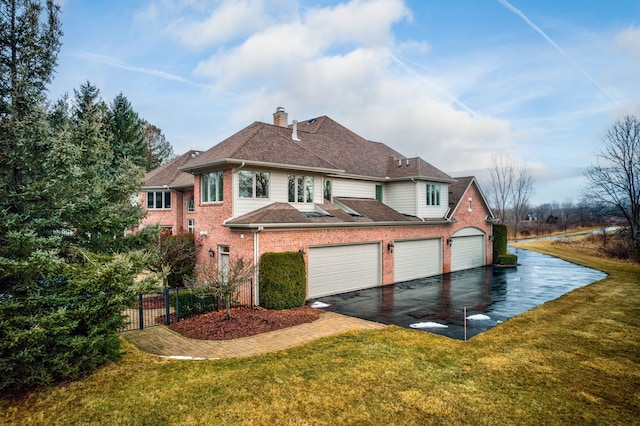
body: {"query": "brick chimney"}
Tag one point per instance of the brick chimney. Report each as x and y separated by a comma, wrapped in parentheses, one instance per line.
(280, 117)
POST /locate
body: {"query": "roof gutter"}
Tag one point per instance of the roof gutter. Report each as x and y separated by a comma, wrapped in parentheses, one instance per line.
(328, 225)
(197, 168)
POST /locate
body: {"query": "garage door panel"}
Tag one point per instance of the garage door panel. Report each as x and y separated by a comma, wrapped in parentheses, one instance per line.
(467, 252)
(417, 259)
(338, 269)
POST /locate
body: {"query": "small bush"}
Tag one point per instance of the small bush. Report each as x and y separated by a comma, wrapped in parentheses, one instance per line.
(619, 250)
(193, 302)
(178, 252)
(507, 259)
(283, 280)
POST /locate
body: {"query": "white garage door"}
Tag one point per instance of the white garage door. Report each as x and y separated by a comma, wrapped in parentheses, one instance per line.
(338, 269)
(417, 259)
(467, 249)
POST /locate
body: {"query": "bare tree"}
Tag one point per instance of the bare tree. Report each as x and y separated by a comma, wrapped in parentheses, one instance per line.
(511, 187)
(615, 179)
(521, 193)
(502, 175)
(222, 279)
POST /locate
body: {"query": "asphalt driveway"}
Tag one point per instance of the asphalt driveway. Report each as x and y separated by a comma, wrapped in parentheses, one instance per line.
(489, 295)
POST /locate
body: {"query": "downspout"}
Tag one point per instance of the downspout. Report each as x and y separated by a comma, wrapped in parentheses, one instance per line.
(256, 275)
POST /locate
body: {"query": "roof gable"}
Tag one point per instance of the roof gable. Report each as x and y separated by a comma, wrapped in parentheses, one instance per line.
(457, 191)
(170, 175)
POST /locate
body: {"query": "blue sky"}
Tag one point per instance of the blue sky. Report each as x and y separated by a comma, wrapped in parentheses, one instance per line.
(454, 82)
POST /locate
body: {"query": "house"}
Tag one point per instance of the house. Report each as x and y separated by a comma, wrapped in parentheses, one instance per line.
(362, 214)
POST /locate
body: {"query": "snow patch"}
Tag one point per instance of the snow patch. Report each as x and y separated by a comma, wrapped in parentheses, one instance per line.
(319, 305)
(478, 317)
(428, 324)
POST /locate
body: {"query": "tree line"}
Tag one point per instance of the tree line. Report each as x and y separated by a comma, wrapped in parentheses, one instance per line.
(611, 195)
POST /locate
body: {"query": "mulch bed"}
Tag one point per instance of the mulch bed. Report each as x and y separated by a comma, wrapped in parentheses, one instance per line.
(245, 322)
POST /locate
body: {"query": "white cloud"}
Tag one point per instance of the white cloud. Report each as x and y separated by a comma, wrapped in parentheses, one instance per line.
(327, 62)
(230, 20)
(629, 40)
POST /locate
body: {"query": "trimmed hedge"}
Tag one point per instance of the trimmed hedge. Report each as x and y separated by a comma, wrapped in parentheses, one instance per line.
(507, 259)
(499, 241)
(283, 280)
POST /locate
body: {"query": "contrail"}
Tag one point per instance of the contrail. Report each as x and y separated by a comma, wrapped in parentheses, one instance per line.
(116, 63)
(440, 89)
(517, 11)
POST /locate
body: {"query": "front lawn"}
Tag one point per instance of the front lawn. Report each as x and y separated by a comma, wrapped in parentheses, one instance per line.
(575, 360)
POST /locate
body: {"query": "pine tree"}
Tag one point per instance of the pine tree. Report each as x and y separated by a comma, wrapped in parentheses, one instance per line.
(159, 150)
(67, 268)
(128, 133)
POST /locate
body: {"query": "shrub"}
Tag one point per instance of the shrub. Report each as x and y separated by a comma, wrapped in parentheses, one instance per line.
(283, 280)
(507, 259)
(179, 253)
(61, 328)
(499, 240)
(193, 302)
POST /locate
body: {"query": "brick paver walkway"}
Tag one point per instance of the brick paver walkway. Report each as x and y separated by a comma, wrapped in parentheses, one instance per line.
(160, 340)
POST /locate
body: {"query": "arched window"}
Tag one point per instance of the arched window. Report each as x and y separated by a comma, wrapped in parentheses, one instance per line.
(190, 204)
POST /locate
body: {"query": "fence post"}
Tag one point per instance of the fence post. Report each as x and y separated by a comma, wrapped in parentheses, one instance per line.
(167, 310)
(177, 304)
(140, 312)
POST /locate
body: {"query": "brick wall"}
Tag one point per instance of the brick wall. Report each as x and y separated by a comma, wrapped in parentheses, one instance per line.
(173, 217)
(211, 234)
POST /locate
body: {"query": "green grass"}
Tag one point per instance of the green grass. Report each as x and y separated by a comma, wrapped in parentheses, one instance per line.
(575, 360)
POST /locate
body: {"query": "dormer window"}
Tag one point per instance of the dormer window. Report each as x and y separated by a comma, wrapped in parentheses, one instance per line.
(433, 194)
(253, 184)
(300, 189)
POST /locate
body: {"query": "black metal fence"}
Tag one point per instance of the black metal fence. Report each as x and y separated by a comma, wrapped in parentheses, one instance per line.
(173, 304)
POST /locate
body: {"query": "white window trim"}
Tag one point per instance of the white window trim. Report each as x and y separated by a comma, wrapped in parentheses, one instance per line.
(164, 199)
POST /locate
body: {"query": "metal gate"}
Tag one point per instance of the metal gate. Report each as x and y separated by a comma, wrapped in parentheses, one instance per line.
(173, 304)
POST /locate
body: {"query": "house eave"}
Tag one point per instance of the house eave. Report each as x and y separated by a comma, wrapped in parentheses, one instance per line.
(232, 162)
(178, 188)
(420, 178)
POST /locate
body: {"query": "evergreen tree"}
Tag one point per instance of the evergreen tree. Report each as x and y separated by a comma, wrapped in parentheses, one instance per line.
(128, 133)
(67, 268)
(159, 150)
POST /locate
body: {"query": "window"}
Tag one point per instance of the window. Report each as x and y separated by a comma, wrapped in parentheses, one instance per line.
(211, 187)
(433, 194)
(379, 193)
(191, 225)
(190, 204)
(158, 200)
(301, 189)
(327, 190)
(253, 184)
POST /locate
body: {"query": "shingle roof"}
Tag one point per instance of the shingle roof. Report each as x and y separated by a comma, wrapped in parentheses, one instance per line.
(323, 144)
(261, 143)
(368, 211)
(414, 167)
(169, 173)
